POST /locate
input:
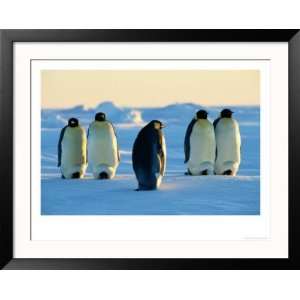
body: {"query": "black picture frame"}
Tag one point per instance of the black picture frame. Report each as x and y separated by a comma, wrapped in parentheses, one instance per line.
(7, 40)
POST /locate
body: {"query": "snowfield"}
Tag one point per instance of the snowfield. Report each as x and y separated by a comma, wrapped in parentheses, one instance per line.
(178, 194)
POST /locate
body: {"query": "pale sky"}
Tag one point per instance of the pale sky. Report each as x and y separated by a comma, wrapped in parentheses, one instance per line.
(149, 88)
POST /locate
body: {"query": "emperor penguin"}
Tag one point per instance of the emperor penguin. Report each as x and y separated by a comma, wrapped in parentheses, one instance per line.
(228, 139)
(72, 150)
(103, 151)
(200, 145)
(149, 156)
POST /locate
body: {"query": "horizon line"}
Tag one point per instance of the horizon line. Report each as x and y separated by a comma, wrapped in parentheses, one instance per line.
(149, 107)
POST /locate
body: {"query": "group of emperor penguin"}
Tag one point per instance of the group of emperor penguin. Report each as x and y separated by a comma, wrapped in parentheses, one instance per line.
(99, 147)
(210, 148)
(213, 148)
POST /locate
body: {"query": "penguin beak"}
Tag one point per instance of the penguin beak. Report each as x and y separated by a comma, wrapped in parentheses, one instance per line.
(162, 126)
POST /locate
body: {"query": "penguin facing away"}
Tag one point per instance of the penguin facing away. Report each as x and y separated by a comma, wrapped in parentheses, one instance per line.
(72, 150)
(200, 145)
(103, 152)
(228, 140)
(149, 156)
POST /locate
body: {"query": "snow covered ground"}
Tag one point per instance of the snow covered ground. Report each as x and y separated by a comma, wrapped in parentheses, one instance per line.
(178, 194)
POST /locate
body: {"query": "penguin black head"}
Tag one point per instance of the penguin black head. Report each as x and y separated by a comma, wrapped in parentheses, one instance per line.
(201, 114)
(73, 122)
(100, 116)
(226, 113)
(156, 124)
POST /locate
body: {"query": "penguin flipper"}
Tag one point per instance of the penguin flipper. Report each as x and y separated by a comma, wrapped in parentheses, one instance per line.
(118, 150)
(188, 172)
(62, 132)
(187, 140)
(162, 163)
(216, 121)
(86, 150)
(161, 158)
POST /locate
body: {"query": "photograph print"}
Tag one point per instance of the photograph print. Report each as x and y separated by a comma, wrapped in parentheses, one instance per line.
(150, 142)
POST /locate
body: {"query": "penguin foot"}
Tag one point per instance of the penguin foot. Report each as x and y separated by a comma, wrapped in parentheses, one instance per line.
(205, 172)
(146, 188)
(76, 175)
(227, 172)
(63, 177)
(137, 190)
(103, 175)
(188, 173)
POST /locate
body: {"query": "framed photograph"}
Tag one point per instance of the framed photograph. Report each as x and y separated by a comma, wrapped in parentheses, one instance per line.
(149, 149)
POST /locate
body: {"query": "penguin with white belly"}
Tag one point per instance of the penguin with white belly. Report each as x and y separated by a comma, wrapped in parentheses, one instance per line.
(200, 145)
(103, 152)
(149, 156)
(72, 150)
(228, 140)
